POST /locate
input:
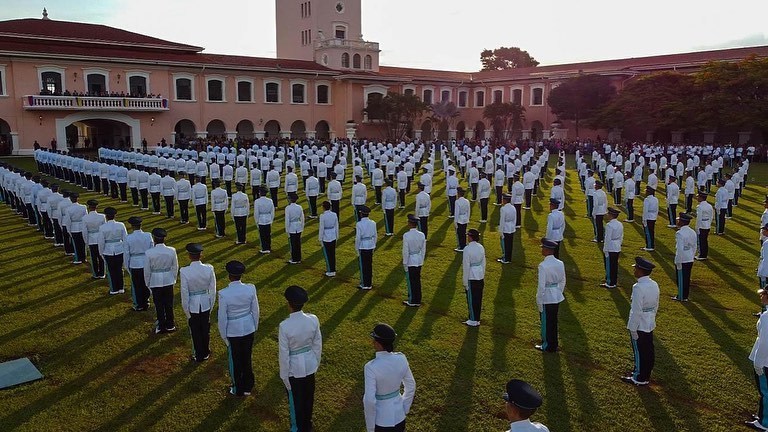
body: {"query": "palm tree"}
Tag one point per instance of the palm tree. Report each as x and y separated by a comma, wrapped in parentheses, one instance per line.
(443, 112)
(505, 118)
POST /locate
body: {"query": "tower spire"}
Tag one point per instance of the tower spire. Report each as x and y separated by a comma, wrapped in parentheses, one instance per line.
(45, 14)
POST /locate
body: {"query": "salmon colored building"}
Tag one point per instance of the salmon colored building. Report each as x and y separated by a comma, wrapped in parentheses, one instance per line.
(87, 85)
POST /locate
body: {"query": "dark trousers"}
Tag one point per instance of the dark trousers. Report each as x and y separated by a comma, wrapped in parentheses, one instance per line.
(123, 191)
(143, 194)
(191, 177)
(644, 356)
(536, 187)
(424, 224)
(528, 195)
(273, 195)
(301, 401)
(549, 327)
(96, 183)
(461, 235)
(135, 196)
(78, 243)
(473, 188)
(377, 194)
(47, 225)
(400, 427)
(200, 328)
(650, 234)
(228, 187)
(612, 268)
(255, 192)
(617, 196)
(265, 237)
(499, 191)
(671, 213)
(401, 197)
(312, 205)
(475, 299)
(97, 261)
(169, 205)
(507, 242)
(184, 210)
(295, 244)
(113, 189)
(329, 252)
(201, 211)
(599, 228)
(590, 204)
(105, 186)
(519, 212)
(720, 221)
(163, 299)
(389, 221)
(114, 265)
(139, 291)
(413, 283)
(220, 225)
(240, 222)
(730, 208)
(684, 280)
(366, 267)
(703, 243)
(630, 209)
(484, 209)
(155, 202)
(322, 184)
(451, 204)
(335, 206)
(31, 214)
(240, 363)
(688, 203)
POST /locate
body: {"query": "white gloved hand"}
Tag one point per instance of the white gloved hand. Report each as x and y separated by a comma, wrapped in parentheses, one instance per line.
(635, 336)
(759, 370)
(541, 308)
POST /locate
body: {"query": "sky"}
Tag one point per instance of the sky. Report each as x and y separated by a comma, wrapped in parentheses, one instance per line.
(447, 34)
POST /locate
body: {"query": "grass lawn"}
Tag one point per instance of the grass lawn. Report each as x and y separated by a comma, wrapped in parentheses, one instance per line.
(105, 370)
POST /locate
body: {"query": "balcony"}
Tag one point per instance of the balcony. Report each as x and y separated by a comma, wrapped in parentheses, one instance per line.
(348, 43)
(87, 103)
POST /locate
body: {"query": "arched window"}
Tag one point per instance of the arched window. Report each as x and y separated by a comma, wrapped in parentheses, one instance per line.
(356, 61)
(368, 62)
(345, 60)
(340, 32)
(517, 96)
(537, 96)
(137, 85)
(323, 94)
(215, 90)
(427, 97)
(445, 96)
(462, 99)
(51, 82)
(498, 96)
(480, 98)
(297, 93)
(272, 92)
(183, 89)
(244, 91)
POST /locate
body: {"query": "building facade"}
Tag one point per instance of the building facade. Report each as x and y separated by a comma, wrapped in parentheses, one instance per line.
(86, 85)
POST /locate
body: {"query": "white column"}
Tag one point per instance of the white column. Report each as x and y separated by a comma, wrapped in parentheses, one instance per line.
(452, 134)
(526, 133)
(417, 133)
(201, 134)
(744, 137)
(15, 143)
(310, 134)
(545, 134)
(231, 135)
(259, 134)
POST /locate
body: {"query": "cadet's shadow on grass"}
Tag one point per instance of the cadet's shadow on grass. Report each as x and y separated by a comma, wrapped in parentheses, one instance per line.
(440, 304)
(504, 317)
(529, 223)
(454, 415)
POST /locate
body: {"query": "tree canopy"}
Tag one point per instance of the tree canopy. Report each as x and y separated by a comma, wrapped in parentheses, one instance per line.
(580, 98)
(394, 113)
(506, 58)
(505, 118)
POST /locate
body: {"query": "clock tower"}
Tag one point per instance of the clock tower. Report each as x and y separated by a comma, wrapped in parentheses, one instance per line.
(328, 32)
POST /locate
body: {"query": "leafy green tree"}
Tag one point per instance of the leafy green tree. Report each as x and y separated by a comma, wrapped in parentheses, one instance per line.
(506, 58)
(580, 98)
(443, 113)
(504, 118)
(394, 113)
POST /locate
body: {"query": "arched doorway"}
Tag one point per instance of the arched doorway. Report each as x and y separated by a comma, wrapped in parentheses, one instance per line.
(102, 128)
(537, 130)
(185, 129)
(461, 130)
(6, 143)
(216, 128)
(322, 130)
(426, 131)
(442, 133)
(479, 130)
(245, 129)
(272, 129)
(298, 130)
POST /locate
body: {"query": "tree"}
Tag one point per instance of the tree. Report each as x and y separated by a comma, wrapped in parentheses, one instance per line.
(504, 117)
(394, 113)
(580, 98)
(443, 112)
(506, 58)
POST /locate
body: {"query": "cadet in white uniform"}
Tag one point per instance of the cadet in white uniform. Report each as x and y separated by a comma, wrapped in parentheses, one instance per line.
(359, 196)
(650, 214)
(75, 214)
(198, 295)
(384, 406)
(461, 219)
(294, 226)
(414, 252)
(238, 321)
(91, 223)
(200, 201)
(135, 247)
(642, 322)
(161, 266)
(300, 347)
(241, 207)
(685, 249)
(507, 228)
(219, 206)
(111, 237)
(183, 195)
(264, 213)
(312, 190)
(328, 233)
(704, 215)
(614, 237)
(473, 276)
(759, 358)
(388, 203)
(555, 224)
(522, 401)
(549, 295)
(599, 209)
(673, 197)
(365, 243)
(423, 207)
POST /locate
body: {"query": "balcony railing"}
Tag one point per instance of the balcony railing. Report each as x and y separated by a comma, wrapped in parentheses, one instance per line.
(348, 43)
(86, 103)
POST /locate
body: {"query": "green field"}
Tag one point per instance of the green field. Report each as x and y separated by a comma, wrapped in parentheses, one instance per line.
(105, 369)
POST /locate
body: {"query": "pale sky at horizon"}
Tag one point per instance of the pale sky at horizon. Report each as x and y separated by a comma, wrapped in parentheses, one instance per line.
(553, 32)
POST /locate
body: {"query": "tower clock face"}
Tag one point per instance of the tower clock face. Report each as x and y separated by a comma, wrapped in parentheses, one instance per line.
(339, 7)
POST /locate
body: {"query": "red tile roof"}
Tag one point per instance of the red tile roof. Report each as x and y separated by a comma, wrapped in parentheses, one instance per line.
(83, 32)
(425, 74)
